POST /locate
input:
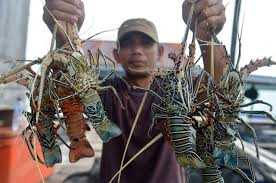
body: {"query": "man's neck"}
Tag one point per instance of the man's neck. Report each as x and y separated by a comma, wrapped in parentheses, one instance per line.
(140, 82)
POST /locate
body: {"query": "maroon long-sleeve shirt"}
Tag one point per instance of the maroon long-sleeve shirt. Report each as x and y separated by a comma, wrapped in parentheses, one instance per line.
(157, 164)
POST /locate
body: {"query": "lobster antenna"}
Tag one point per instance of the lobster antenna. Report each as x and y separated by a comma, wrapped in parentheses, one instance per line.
(235, 29)
(239, 37)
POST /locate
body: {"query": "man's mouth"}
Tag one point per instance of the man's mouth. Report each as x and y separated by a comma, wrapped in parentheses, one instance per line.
(137, 63)
(139, 70)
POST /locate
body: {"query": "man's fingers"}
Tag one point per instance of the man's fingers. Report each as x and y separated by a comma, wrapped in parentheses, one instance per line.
(81, 19)
(64, 7)
(71, 11)
(215, 10)
(65, 10)
(214, 23)
(82, 8)
(62, 16)
(212, 17)
(74, 2)
(203, 4)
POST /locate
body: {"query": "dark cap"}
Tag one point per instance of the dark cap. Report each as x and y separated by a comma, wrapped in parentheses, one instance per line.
(138, 25)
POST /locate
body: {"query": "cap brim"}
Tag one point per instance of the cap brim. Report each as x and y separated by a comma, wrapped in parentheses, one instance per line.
(126, 34)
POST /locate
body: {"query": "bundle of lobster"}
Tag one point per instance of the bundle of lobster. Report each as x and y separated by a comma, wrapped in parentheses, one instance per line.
(66, 88)
(201, 116)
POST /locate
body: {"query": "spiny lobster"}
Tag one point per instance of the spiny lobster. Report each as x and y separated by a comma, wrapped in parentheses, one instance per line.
(73, 84)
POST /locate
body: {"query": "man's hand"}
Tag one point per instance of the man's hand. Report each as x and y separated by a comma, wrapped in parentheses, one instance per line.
(210, 15)
(64, 10)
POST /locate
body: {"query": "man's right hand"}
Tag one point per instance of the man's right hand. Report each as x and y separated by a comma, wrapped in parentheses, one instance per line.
(64, 10)
(210, 15)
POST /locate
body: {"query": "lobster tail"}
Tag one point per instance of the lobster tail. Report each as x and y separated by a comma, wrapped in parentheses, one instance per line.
(181, 139)
(46, 131)
(212, 174)
(47, 139)
(76, 127)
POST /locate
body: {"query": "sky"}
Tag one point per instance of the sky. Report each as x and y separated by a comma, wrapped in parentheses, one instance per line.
(258, 31)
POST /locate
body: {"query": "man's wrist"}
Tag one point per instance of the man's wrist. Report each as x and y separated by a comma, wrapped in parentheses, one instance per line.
(204, 37)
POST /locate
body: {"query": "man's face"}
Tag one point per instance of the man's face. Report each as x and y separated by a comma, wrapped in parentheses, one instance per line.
(138, 54)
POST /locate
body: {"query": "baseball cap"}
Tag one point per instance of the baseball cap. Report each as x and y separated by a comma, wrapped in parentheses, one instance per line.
(138, 25)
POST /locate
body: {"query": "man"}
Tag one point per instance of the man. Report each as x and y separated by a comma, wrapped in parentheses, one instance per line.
(138, 51)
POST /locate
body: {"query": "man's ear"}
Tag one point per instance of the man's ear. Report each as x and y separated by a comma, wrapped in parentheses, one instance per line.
(160, 51)
(116, 55)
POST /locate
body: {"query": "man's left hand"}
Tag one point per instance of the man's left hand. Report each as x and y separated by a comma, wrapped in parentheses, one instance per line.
(210, 15)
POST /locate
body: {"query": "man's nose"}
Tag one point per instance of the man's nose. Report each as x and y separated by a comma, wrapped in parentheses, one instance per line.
(137, 49)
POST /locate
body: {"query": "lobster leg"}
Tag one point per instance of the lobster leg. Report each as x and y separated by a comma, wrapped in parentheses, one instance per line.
(268, 114)
(254, 135)
(4, 78)
(258, 102)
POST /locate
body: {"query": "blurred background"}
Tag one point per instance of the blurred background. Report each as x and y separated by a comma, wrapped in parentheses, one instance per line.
(23, 35)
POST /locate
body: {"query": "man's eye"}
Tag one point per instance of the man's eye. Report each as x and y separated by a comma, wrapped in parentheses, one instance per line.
(125, 43)
(147, 41)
